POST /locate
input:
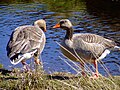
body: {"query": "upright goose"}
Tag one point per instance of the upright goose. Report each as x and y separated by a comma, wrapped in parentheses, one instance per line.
(26, 42)
(84, 47)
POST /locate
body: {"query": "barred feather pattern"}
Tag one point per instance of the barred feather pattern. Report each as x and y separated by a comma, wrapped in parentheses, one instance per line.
(84, 46)
(87, 46)
(25, 39)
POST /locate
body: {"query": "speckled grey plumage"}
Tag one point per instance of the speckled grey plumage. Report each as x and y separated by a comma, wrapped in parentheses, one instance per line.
(86, 46)
(26, 39)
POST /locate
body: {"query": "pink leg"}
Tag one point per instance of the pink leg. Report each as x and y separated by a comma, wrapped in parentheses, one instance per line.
(38, 65)
(96, 74)
(37, 60)
(25, 66)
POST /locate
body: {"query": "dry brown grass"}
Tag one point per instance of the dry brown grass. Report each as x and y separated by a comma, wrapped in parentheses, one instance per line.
(39, 80)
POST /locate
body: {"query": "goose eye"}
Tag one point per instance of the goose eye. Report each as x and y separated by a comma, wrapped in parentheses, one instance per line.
(65, 21)
(62, 22)
(42, 28)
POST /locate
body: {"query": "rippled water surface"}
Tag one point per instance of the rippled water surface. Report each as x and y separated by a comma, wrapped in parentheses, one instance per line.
(14, 15)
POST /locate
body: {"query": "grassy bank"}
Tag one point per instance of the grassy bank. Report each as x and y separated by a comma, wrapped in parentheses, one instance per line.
(15, 80)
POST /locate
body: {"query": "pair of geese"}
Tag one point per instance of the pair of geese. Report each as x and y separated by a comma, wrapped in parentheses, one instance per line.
(29, 41)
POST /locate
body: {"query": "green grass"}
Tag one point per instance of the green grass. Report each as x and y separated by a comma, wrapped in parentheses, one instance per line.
(33, 80)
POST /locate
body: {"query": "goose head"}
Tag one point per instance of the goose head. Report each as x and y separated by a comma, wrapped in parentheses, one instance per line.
(41, 24)
(64, 24)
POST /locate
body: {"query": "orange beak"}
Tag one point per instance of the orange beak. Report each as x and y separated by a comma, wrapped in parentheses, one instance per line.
(57, 26)
(45, 30)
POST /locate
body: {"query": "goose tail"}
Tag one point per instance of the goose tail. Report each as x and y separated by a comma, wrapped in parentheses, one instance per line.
(17, 60)
(117, 48)
(19, 57)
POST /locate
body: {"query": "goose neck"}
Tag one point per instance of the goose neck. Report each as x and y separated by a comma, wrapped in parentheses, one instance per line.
(69, 33)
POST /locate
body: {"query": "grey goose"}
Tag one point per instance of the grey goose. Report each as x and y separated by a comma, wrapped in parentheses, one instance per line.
(26, 42)
(84, 47)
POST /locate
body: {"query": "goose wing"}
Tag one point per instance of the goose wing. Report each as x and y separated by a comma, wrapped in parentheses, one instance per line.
(24, 39)
(91, 44)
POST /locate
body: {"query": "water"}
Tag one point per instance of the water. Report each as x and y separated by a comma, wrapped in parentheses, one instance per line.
(14, 15)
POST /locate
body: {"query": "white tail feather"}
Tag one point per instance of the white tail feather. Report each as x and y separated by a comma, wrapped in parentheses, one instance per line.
(117, 48)
(105, 53)
(23, 57)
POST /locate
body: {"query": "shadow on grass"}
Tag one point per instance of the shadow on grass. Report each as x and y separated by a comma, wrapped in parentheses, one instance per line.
(58, 77)
(5, 75)
(10, 78)
(61, 76)
(4, 71)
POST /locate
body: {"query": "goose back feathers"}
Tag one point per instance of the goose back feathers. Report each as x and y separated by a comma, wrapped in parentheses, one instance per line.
(26, 39)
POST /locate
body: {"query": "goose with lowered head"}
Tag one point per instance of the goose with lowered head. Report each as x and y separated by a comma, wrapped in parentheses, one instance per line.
(84, 47)
(26, 42)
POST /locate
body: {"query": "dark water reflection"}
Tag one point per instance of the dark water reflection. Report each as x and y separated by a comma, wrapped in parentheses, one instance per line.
(14, 15)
